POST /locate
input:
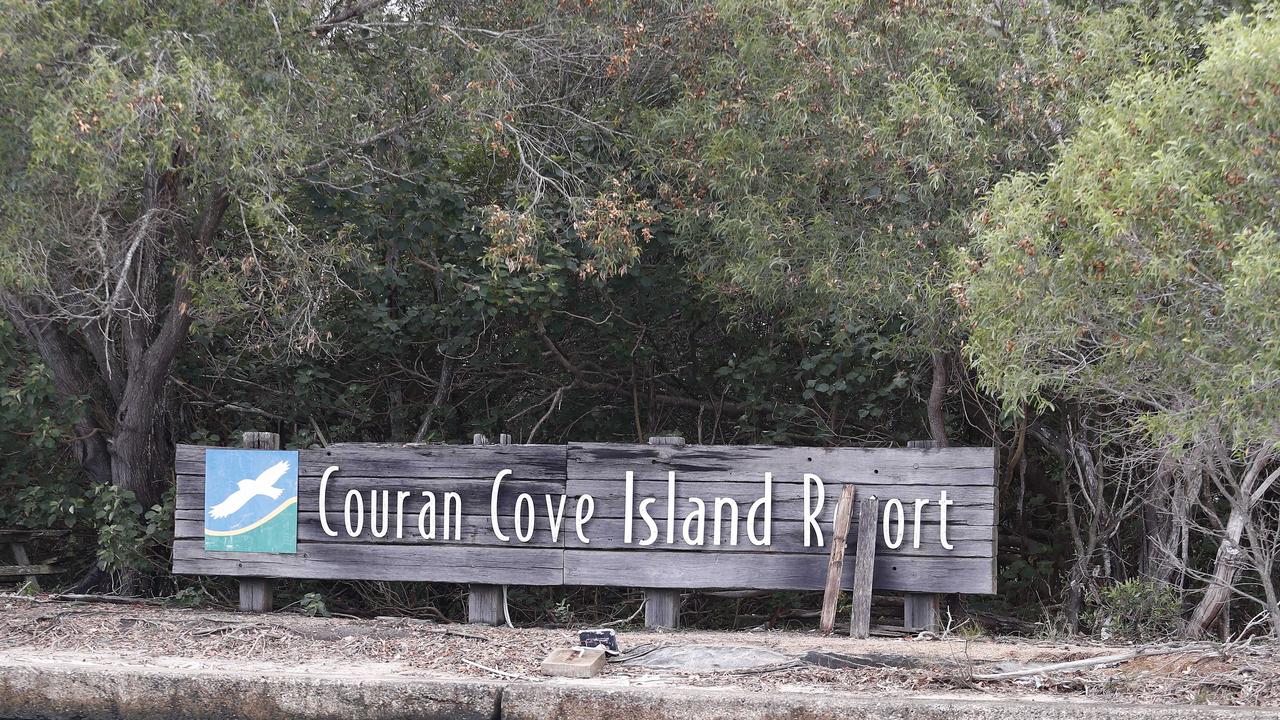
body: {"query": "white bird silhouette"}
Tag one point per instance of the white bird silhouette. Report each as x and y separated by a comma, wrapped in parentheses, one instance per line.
(250, 489)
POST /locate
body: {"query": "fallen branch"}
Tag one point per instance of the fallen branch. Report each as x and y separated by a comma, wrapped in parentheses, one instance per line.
(109, 599)
(435, 630)
(1086, 663)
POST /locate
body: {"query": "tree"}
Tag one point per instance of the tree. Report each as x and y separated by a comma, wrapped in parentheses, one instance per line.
(828, 156)
(149, 150)
(1138, 275)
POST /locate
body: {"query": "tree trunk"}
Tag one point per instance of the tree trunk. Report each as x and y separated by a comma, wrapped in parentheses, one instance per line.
(1226, 562)
(443, 389)
(937, 397)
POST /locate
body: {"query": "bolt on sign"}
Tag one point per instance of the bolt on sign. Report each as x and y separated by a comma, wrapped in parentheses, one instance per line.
(584, 514)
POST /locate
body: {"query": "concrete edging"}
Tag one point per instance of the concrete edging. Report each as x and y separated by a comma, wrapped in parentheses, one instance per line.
(93, 691)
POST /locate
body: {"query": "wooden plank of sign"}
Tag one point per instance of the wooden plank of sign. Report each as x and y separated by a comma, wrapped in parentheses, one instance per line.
(360, 561)
(972, 505)
(475, 494)
(724, 463)
(864, 568)
(533, 462)
(752, 571)
(475, 530)
(967, 540)
(835, 561)
(787, 537)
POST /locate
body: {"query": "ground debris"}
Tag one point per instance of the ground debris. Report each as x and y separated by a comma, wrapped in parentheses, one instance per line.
(1243, 675)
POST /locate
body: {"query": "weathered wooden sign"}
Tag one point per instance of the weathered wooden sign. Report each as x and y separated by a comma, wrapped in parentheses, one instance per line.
(586, 514)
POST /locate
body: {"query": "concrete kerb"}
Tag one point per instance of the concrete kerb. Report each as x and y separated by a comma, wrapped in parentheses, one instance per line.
(582, 701)
(66, 691)
(95, 692)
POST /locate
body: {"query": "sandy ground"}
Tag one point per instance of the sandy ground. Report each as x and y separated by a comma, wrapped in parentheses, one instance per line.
(45, 630)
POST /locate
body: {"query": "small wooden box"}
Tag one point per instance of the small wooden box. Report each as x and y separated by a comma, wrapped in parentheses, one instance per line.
(576, 662)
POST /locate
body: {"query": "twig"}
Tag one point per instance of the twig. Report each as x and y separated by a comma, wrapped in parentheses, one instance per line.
(110, 599)
(495, 671)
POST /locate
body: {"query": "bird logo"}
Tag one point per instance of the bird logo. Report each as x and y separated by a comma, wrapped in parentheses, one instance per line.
(248, 489)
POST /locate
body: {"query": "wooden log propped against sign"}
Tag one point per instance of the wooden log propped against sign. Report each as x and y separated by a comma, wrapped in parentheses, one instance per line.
(864, 563)
(864, 568)
(835, 565)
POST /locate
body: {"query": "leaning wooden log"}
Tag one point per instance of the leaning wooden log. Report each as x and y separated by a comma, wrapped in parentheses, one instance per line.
(835, 563)
(864, 568)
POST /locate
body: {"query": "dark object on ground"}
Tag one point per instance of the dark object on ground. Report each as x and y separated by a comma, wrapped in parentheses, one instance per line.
(844, 661)
(709, 658)
(600, 637)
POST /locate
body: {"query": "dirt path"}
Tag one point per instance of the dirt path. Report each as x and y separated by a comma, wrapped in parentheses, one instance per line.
(151, 636)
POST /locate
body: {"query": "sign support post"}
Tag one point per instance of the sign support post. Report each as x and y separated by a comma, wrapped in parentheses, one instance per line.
(256, 594)
(921, 611)
(484, 602)
(662, 605)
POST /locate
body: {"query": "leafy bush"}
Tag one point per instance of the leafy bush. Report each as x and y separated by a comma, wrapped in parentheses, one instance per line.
(313, 605)
(1136, 610)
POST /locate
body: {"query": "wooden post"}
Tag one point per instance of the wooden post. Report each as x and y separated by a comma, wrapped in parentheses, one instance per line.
(835, 562)
(19, 548)
(920, 611)
(484, 602)
(256, 594)
(864, 566)
(662, 605)
(661, 608)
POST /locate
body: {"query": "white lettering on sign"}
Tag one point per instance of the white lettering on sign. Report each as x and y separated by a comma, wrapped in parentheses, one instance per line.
(811, 515)
(942, 521)
(324, 482)
(581, 516)
(893, 506)
(687, 524)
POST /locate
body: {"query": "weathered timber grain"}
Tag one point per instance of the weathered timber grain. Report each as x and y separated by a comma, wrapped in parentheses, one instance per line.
(536, 462)
(787, 537)
(484, 604)
(864, 568)
(945, 466)
(478, 556)
(835, 561)
(769, 571)
(429, 563)
(662, 608)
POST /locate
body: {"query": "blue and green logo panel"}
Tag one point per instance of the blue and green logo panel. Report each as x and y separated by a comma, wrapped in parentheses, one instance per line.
(251, 501)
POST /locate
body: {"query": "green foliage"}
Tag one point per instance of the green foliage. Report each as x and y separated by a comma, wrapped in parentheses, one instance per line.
(312, 605)
(1136, 610)
(832, 154)
(1143, 267)
(189, 597)
(129, 536)
(33, 487)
